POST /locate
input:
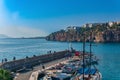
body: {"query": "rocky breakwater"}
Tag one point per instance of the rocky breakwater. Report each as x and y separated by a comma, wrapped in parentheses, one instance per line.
(101, 32)
(30, 62)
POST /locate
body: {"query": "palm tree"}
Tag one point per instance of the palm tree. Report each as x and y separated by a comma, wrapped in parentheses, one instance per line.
(5, 75)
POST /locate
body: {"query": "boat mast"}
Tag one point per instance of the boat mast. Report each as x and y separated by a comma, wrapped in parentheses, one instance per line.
(83, 54)
(90, 50)
(70, 46)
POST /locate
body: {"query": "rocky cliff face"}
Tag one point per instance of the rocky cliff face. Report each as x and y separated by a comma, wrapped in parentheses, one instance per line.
(108, 36)
(100, 33)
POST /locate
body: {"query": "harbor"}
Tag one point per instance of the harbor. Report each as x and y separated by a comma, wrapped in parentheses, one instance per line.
(50, 66)
(22, 69)
(70, 70)
(69, 62)
(108, 53)
(77, 66)
(59, 40)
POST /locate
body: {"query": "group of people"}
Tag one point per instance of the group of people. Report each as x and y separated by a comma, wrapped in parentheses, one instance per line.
(5, 59)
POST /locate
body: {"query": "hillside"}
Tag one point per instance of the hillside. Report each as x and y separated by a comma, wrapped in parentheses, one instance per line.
(101, 32)
(3, 36)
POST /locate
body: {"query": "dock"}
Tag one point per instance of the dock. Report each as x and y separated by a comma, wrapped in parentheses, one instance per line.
(33, 74)
(34, 63)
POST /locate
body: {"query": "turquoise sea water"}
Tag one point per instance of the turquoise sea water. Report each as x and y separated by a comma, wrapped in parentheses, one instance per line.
(108, 53)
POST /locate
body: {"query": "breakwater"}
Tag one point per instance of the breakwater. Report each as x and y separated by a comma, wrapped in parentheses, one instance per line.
(30, 62)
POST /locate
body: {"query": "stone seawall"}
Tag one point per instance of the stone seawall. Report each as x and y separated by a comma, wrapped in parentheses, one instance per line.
(32, 61)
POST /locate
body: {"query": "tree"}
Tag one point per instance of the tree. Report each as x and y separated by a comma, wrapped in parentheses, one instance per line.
(5, 75)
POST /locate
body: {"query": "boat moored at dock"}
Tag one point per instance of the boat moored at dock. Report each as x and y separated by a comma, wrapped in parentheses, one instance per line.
(80, 66)
(72, 69)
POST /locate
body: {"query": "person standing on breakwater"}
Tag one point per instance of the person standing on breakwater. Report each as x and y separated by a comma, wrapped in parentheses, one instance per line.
(14, 58)
(2, 61)
(43, 67)
(5, 59)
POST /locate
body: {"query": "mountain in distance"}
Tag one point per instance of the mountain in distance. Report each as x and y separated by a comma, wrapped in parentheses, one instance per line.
(31, 38)
(2, 36)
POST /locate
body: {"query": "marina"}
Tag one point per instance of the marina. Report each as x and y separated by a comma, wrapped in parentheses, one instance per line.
(59, 40)
(101, 50)
(70, 70)
(79, 68)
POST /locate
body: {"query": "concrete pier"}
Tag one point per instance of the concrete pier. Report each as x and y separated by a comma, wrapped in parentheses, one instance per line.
(30, 62)
(28, 75)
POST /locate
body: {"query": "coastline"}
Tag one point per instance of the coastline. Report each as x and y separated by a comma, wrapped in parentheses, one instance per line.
(86, 41)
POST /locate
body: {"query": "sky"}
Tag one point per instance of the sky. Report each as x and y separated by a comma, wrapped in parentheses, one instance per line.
(31, 18)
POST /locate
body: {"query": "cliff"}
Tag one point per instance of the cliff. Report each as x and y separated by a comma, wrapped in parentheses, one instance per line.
(101, 32)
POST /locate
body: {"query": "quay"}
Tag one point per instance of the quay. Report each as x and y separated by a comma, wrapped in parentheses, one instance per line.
(30, 62)
(34, 63)
(33, 74)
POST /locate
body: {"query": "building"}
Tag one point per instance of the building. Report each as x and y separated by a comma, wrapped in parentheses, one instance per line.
(70, 28)
(110, 24)
(88, 25)
(118, 22)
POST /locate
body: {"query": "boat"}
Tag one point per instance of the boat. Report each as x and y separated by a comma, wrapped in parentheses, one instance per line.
(88, 70)
(80, 66)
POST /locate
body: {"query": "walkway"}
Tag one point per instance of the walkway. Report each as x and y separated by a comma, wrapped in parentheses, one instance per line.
(31, 75)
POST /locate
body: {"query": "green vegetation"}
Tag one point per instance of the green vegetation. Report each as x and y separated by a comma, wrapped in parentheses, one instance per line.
(101, 32)
(5, 75)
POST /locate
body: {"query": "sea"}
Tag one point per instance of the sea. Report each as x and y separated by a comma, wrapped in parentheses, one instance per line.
(108, 53)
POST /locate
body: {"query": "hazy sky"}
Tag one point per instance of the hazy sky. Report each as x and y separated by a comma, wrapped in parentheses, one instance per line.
(27, 18)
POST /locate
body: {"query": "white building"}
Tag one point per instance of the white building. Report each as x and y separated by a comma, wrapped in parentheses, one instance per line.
(71, 28)
(118, 22)
(110, 24)
(88, 25)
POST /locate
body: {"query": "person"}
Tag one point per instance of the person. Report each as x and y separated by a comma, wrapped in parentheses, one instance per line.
(14, 58)
(43, 67)
(50, 51)
(34, 55)
(27, 57)
(2, 60)
(5, 59)
(31, 67)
